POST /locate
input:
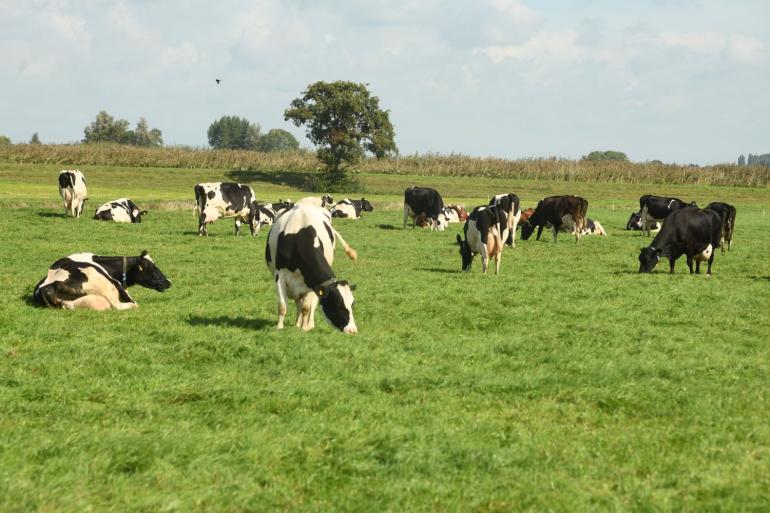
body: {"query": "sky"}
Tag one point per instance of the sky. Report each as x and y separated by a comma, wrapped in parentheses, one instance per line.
(685, 81)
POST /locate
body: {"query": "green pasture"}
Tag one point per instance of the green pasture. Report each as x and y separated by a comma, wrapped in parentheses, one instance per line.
(567, 383)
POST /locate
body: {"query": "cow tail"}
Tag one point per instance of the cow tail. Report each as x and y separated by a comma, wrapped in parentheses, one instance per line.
(350, 252)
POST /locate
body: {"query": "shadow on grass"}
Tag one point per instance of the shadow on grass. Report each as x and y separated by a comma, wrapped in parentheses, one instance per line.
(386, 227)
(235, 322)
(290, 179)
(51, 214)
(439, 270)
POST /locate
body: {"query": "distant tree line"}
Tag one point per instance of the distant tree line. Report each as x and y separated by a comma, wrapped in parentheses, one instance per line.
(605, 155)
(755, 160)
(106, 128)
(236, 133)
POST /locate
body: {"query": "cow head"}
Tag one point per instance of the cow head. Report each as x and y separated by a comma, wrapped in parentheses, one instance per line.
(366, 206)
(465, 253)
(336, 301)
(692, 204)
(634, 222)
(136, 215)
(526, 230)
(326, 200)
(147, 274)
(648, 259)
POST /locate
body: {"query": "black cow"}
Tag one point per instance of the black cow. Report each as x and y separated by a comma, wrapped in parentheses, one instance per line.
(687, 231)
(485, 230)
(509, 203)
(656, 208)
(351, 209)
(121, 210)
(423, 202)
(85, 280)
(727, 213)
(557, 210)
(222, 199)
(299, 255)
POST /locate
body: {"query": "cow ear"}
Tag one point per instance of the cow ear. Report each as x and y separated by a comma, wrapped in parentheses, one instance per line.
(144, 253)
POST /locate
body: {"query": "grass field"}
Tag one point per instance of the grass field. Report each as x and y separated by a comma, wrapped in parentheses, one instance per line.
(567, 383)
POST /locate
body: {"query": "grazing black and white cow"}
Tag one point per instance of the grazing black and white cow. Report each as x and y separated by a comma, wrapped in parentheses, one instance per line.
(317, 201)
(73, 191)
(269, 211)
(558, 211)
(485, 230)
(215, 200)
(299, 254)
(727, 213)
(85, 280)
(423, 202)
(635, 223)
(351, 209)
(121, 210)
(687, 231)
(656, 208)
(509, 203)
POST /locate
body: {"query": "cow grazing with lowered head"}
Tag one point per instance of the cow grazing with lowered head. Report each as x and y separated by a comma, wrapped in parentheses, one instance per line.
(654, 209)
(687, 231)
(121, 210)
(269, 211)
(509, 203)
(727, 213)
(557, 211)
(73, 191)
(425, 202)
(635, 223)
(485, 231)
(299, 254)
(351, 209)
(455, 214)
(215, 200)
(85, 280)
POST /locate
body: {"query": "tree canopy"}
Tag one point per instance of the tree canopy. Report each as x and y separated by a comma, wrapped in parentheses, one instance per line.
(606, 155)
(106, 128)
(345, 122)
(5, 139)
(277, 140)
(234, 133)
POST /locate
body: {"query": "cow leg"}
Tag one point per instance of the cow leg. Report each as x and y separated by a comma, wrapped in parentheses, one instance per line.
(539, 231)
(90, 302)
(311, 300)
(711, 261)
(280, 288)
(406, 215)
(555, 233)
(237, 226)
(484, 258)
(671, 263)
(689, 262)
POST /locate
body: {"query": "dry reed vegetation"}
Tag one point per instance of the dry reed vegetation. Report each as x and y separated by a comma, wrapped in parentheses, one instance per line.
(421, 165)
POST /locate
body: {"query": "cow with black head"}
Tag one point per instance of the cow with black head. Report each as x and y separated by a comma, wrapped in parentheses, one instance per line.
(655, 209)
(216, 200)
(121, 210)
(73, 191)
(85, 280)
(351, 209)
(299, 254)
(485, 231)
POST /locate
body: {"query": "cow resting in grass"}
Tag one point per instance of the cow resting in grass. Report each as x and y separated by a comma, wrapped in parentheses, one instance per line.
(121, 210)
(217, 200)
(85, 280)
(485, 231)
(687, 231)
(299, 254)
(73, 191)
(351, 209)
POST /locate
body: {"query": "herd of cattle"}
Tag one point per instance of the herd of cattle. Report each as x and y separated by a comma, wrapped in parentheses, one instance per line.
(300, 245)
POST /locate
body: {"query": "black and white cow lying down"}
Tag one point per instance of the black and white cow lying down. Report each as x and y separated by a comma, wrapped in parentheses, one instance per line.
(299, 254)
(654, 209)
(73, 191)
(687, 231)
(351, 209)
(215, 200)
(121, 210)
(485, 232)
(85, 280)
(635, 223)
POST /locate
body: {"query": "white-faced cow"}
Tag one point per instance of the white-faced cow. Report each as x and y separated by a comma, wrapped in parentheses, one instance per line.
(687, 231)
(217, 200)
(656, 208)
(635, 223)
(454, 214)
(121, 210)
(485, 231)
(558, 211)
(351, 209)
(85, 280)
(509, 203)
(299, 255)
(727, 213)
(73, 191)
(423, 202)
(317, 201)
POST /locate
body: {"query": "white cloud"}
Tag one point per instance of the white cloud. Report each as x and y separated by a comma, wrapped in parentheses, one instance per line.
(71, 28)
(549, 45)
(746, 49)
(742, 48)
(515, 11)
(184, 55)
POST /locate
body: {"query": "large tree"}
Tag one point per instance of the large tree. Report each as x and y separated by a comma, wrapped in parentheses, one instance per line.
(345, 121)
(606, 155)
(277, 140)
(233, 133)
(146, 136)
